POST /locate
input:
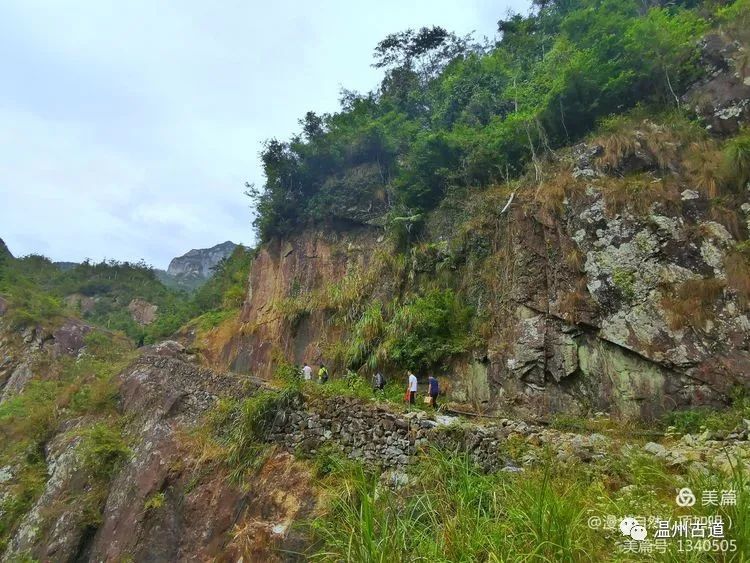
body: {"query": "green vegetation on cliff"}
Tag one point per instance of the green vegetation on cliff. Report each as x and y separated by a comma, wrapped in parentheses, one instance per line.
(100, 292)
(79, 394)
(453, 113)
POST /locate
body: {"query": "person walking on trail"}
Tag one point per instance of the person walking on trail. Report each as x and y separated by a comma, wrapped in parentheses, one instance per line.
(412, 388)
(307, 372)
(322, 374)
(433, 390)
(378, 382)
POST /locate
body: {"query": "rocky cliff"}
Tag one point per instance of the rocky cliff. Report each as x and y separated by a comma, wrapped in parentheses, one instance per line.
(4, 251)
(614, 277)
(588, 309)
(198, 263)
(608, 286)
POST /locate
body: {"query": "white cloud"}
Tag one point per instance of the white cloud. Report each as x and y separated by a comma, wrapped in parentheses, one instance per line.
(127, 129)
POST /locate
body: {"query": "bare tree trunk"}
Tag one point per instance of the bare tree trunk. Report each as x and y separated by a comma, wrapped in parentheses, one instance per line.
(562, 118)
(669, 83)
(534, 160)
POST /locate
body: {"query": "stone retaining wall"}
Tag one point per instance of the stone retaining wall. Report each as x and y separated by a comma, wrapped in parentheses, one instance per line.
(382, 437)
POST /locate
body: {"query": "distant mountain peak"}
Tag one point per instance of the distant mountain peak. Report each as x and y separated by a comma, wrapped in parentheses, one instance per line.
(198, 263)
(4, 250)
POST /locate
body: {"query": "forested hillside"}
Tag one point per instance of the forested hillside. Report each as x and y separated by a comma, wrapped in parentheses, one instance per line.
(118, 296)
(452, 112)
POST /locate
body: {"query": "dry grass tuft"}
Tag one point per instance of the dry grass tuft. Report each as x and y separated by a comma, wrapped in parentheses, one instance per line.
(662, 143)
(557, 186)
(617, 147)
(738, 276)
(703, 162)
(729, 217)
(574, 302)
(575, 259)
(638, 192)
(691, 303)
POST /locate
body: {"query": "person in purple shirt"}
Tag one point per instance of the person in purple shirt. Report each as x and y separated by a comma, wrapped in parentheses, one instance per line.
(433, 388)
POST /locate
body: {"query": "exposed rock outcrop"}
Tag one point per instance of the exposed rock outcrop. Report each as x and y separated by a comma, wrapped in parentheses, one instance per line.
(23, 354)
(722, 98)
(82, 303)
(4, 251)
(47, 531)
(594, 307)
(166, 395)
(142, 312)
(199, 262)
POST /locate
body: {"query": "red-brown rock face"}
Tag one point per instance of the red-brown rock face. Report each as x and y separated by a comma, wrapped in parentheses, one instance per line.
(296, 268)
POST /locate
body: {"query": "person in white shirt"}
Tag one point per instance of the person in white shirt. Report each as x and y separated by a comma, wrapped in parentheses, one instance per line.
(412, 388)
(307, 372)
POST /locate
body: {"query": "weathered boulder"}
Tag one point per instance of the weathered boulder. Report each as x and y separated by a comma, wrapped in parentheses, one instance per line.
(142, 312)
(164, 392)
(722, 98)
(83, 303)
(69, 338)
(53, 529)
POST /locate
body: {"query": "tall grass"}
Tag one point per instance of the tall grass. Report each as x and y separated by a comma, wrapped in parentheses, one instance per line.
(239, 427)
(737, 161)
(451, 511)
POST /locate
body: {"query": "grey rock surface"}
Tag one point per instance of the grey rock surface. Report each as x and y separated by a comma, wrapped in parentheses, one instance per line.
(199, 262)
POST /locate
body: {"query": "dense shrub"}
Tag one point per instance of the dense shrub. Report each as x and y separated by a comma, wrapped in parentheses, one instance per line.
(240, 425)
(419, 334)
(427, 330)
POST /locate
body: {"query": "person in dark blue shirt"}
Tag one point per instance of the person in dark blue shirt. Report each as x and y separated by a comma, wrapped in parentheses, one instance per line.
(433, 388)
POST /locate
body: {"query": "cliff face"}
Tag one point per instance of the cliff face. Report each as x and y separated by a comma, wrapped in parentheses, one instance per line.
(4, 251)
(167, 501)
(587, 302)
(616, 279)
(198, 262)
(295, 269)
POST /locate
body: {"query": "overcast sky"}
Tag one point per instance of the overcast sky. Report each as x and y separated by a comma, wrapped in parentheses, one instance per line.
(128, 128)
